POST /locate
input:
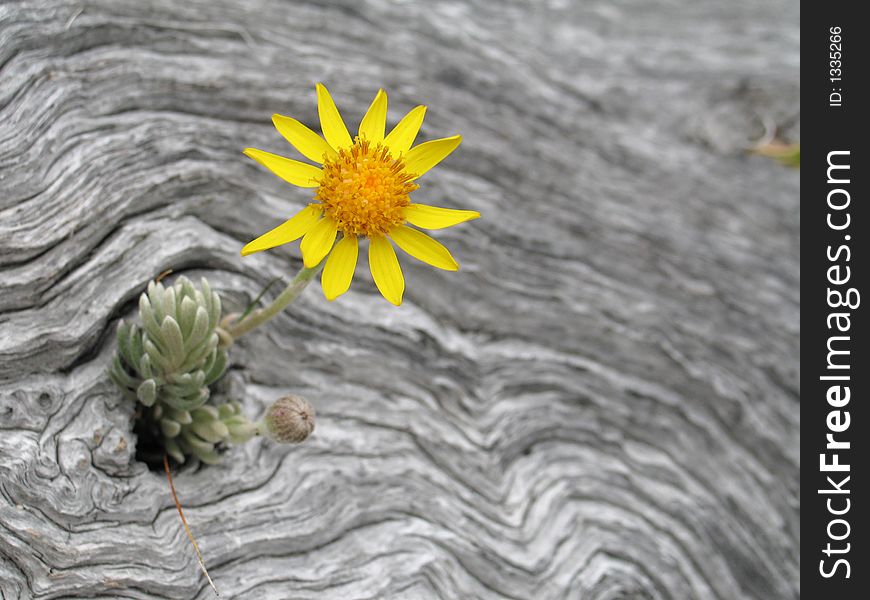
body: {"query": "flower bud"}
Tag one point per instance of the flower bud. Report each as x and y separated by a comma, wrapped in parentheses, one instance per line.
(289, 420)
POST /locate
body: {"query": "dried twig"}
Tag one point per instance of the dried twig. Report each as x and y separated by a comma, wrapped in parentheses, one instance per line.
(165, 273)
(186, 527)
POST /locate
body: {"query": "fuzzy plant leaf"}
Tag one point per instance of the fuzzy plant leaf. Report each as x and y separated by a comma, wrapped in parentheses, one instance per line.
(186, 315)
(147, 392)
(168, 360)
(173, 449)
(169, 427)
(145, 365)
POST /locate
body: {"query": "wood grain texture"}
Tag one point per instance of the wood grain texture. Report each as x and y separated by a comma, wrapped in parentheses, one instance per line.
(603, 403)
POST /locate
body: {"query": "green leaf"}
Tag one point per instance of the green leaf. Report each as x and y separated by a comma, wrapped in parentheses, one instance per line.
(188, 384)
(220, 429)
(207, 298)
(200, 300)
(208, 457)
(121, 377)
(205, 414)
(135, 348)
(123, 339)
(169, 427)
(180, 391)
(255, 301)
(197, 357)
(156, 357)
(226, 411)
(182, 417)
(173, 340)
(187, 288)
(169, 306)
(185, 403)
(215, 312)
(172, 449)
(217, 368)
(147, 392)
(148, 317)
(239, 434)
(199, 329)
(195, 442)
(145, 369)
(240, 429)
(186, 316)
(155, 297)
(190, 402)
(208, 432)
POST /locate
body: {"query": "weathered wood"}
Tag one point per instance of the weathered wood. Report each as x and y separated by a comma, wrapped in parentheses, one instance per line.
(602, 403)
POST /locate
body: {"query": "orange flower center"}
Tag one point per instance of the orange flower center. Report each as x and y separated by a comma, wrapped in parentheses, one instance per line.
(365, 189)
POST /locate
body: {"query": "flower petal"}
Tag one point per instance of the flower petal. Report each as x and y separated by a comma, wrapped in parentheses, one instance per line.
(338, 272)
(434, 217)
(428, 154)
(399, 140)
(422, 247)
(375, 122)
(386, 270)
(318, 242)
(309, 144)
(291, 171)
(289, 230)
(334, 129)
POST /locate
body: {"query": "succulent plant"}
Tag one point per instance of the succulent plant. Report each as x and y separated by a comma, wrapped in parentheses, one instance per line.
(167, 361)
(201, 431)
(173, 356)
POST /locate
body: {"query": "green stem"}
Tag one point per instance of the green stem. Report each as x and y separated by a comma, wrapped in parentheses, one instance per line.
(260, 316)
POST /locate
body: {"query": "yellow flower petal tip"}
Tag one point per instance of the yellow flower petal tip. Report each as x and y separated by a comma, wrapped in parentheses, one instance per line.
(332, 297)
(306, 141)
(362, 190)
(292, 171)
(289, 230)
(423, 157)
(334, 129)
(434, 217)
(395, 300)
(423, 248)
(399, 140)
(374, 122)
(339, 268)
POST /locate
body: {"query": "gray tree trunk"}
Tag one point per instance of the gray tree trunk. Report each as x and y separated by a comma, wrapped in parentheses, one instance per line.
(603, 403)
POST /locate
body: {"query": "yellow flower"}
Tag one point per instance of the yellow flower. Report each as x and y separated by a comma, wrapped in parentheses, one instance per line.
(363, 190)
